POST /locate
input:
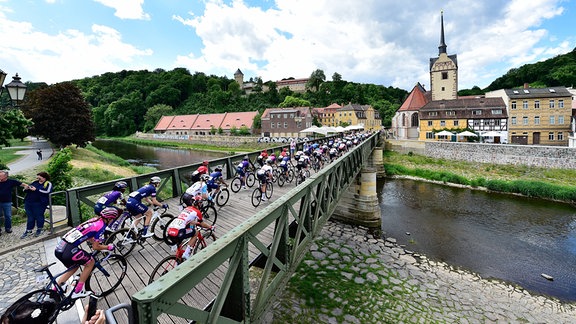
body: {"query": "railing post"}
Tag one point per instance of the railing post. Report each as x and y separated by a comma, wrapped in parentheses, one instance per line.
(377, 161)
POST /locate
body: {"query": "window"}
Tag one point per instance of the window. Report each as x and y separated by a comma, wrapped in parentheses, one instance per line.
(552, 103)
(271, 116)
(497, 122)
(285, 125)
(552, 120)
(551, 136)
(560, 103)
(513, 105)
(444, 77)
(476, 123)
(496, 111)
(561, 120)
(451, 113)
(272, 125)
(433, 113)
(537, 104)
(525, 104)
(455, 123)
(525, 120)
(430, 123)
(560, 136)
(285, 116)
(442, 123)
(291, 115)
(279, 124)
(536, 120)
(477, 112)
(429, 135)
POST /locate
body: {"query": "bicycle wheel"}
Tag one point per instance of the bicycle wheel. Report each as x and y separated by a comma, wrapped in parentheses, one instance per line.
(159, 224)
(168, 239)
(256, 197)
(281, 179)
(167, 264)
(250, 179)
(124, 240)
(222, 197)
(209, 214)
(38, 306)
(290, 175)
(236, 184)
(107, 275)
(307, 173)
(269, 190)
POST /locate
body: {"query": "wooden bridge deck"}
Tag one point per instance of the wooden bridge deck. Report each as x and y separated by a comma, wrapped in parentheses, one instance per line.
(144, 258)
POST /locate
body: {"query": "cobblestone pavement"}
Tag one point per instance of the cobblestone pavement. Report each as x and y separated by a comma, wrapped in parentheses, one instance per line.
(351, 277)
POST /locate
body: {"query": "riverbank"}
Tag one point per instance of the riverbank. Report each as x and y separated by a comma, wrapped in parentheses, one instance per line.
(350, 276)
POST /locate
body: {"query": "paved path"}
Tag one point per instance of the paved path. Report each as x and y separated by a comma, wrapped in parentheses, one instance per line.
(29, 158)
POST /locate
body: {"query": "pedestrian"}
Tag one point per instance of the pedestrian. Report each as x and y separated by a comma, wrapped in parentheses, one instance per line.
(36, 202)
(292, 147)
(39, 153)
(6, 189)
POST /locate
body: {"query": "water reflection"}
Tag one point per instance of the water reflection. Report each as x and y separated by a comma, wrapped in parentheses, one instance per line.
(498, 236)
(158, 157)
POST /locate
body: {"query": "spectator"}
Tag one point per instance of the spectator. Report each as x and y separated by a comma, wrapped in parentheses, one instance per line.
(39, 153)
(36, 202)
(6, 188)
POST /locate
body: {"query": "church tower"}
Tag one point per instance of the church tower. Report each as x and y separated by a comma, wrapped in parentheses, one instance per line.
(443, 71)
(239, 77)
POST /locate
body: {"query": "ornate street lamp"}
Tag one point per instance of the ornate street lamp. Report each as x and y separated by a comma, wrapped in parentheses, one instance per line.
(16, 90)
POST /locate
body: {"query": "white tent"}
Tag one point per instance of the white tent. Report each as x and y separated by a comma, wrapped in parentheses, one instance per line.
(444, 133)
(492, 134)
(340, 129)
(311, 129)
(467, 133)
(354, 127)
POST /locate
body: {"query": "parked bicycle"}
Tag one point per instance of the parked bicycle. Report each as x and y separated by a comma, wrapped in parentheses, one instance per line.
(172, 261)
(126, 238)
(45, 304)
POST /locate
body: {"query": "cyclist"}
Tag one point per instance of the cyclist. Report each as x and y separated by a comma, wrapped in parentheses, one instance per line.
(112, 197)
(265, 175)
(241, 169)
(203, 169)
(284, 165)
(68, 249)
(215, 180)
(136, 207)
(199, 188)
(185, 226)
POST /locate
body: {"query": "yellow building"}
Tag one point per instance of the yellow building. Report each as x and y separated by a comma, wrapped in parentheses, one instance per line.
(538, 116)
(358, 115)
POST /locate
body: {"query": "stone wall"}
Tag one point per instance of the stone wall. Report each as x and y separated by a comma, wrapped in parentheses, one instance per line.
(530, 155)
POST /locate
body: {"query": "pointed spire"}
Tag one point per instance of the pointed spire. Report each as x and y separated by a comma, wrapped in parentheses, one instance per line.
(442, 47)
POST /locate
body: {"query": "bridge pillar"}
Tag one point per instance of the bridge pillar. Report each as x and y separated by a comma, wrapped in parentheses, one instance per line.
(376, 160)
(359, 204)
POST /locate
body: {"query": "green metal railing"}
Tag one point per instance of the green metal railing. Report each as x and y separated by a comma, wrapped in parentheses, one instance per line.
(295, 218)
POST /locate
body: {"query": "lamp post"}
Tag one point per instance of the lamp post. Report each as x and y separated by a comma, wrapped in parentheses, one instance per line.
(16, 89)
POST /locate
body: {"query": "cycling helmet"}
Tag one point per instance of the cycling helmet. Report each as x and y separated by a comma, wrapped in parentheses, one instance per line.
(205, 177)
(155, 180)
(218, 169)
(121, 185)
(268, 161)
(246, 157)
(205, 162)
(109, 213)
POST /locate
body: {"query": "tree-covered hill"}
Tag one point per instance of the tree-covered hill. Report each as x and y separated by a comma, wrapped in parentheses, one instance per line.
(556, 71)
(130, 101)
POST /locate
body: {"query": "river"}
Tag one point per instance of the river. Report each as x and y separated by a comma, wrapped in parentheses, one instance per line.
(498, 236)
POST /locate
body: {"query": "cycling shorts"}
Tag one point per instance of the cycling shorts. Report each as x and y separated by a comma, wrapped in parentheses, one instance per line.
(181, 234)
(262, 177)
(71, 255)
(136, 207)
(240, 171)
(212, 186)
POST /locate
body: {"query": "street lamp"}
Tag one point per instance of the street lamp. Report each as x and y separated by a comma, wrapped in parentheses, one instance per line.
(16, 89)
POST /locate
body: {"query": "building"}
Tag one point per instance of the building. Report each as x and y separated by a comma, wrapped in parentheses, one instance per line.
(352, 114)
(480, 115)
(326, 115)
(295, 85)
(205, 124)
(285, 122)
(538, 116)
(406, 123)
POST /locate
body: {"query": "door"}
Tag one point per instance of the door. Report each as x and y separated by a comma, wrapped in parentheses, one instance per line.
(536, 138)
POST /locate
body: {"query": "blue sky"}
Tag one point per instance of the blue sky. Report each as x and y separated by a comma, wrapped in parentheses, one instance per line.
(383, 42)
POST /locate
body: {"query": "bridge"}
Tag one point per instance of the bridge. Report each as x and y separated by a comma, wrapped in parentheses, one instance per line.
(237, 277)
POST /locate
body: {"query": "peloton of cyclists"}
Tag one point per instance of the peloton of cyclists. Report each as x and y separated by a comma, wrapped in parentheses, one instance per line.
(264, 174)
(136, 207)
(185, 226)
(68, 249)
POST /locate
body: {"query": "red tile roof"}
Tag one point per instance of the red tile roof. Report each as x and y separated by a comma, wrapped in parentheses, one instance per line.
(163, 123)
(238, 119)
(183, 122)
(416, 99)
(207, 121)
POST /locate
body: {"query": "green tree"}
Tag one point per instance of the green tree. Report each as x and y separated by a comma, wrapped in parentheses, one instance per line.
(59, 169)
(213, 130)
(257, 121)
(233, 131)
(60, 114)
(316, 79)
(290, 101)
(153, 115)
(14, 125)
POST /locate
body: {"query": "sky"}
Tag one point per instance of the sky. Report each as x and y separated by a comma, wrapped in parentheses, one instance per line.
(384, 42)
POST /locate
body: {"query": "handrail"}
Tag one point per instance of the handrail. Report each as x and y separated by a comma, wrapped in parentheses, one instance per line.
(296, 218)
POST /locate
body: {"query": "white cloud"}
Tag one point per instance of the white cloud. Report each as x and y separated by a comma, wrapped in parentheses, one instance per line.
(385, 43)
(127, 9)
